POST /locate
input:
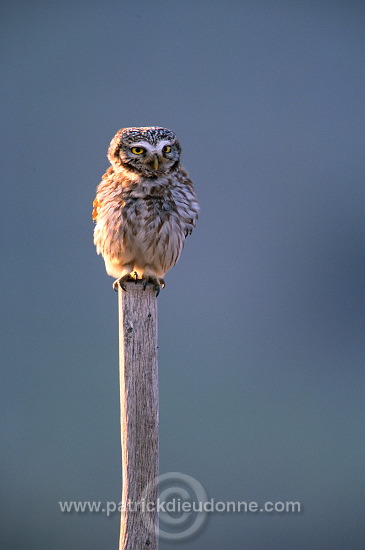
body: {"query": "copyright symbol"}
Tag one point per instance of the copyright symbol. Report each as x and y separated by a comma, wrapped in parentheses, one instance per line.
(180, 505)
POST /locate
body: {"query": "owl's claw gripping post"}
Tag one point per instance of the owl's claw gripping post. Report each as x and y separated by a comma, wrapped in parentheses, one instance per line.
(132, 277)
(125, 279)
(156, 282)
(118, 283)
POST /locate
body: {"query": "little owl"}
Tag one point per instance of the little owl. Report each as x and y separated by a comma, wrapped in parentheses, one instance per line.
(145, 206)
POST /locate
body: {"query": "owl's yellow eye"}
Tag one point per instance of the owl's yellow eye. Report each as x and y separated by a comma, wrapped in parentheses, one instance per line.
(137, 150)
(166, 149)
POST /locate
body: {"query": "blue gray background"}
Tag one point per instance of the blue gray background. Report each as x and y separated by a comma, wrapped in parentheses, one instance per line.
(260, 325)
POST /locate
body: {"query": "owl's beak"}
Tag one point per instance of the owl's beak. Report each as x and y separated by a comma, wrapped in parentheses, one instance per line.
(155, 162)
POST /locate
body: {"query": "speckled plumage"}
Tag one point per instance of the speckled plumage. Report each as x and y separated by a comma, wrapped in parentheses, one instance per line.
(145, 205)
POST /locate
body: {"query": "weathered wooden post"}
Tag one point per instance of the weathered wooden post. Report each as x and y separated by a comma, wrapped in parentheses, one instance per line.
(139, 415)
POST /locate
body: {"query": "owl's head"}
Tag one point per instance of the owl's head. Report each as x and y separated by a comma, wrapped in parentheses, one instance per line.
(150, 151)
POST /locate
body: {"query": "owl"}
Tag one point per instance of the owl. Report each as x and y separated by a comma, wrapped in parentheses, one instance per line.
(145, 207)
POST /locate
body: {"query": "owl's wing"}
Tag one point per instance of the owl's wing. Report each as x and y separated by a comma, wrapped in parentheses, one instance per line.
(96, 202)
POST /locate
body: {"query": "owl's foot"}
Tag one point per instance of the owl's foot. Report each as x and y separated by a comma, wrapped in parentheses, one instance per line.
(128, 278)
(156, 282)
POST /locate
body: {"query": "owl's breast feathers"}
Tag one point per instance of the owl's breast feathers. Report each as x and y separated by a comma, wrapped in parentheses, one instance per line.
(145, 218)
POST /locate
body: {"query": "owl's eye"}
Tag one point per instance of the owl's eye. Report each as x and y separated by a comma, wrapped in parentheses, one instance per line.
(137, 150)
(166, 149)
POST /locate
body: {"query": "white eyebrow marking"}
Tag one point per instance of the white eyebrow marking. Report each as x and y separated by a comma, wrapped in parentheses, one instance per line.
(152, 148)
(162, 144)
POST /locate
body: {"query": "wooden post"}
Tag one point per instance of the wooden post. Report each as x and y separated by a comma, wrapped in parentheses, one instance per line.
(139, 416)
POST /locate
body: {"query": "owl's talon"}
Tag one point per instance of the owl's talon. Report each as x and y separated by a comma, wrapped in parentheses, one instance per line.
(156, 282)
(125, 279)
(118, 283)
